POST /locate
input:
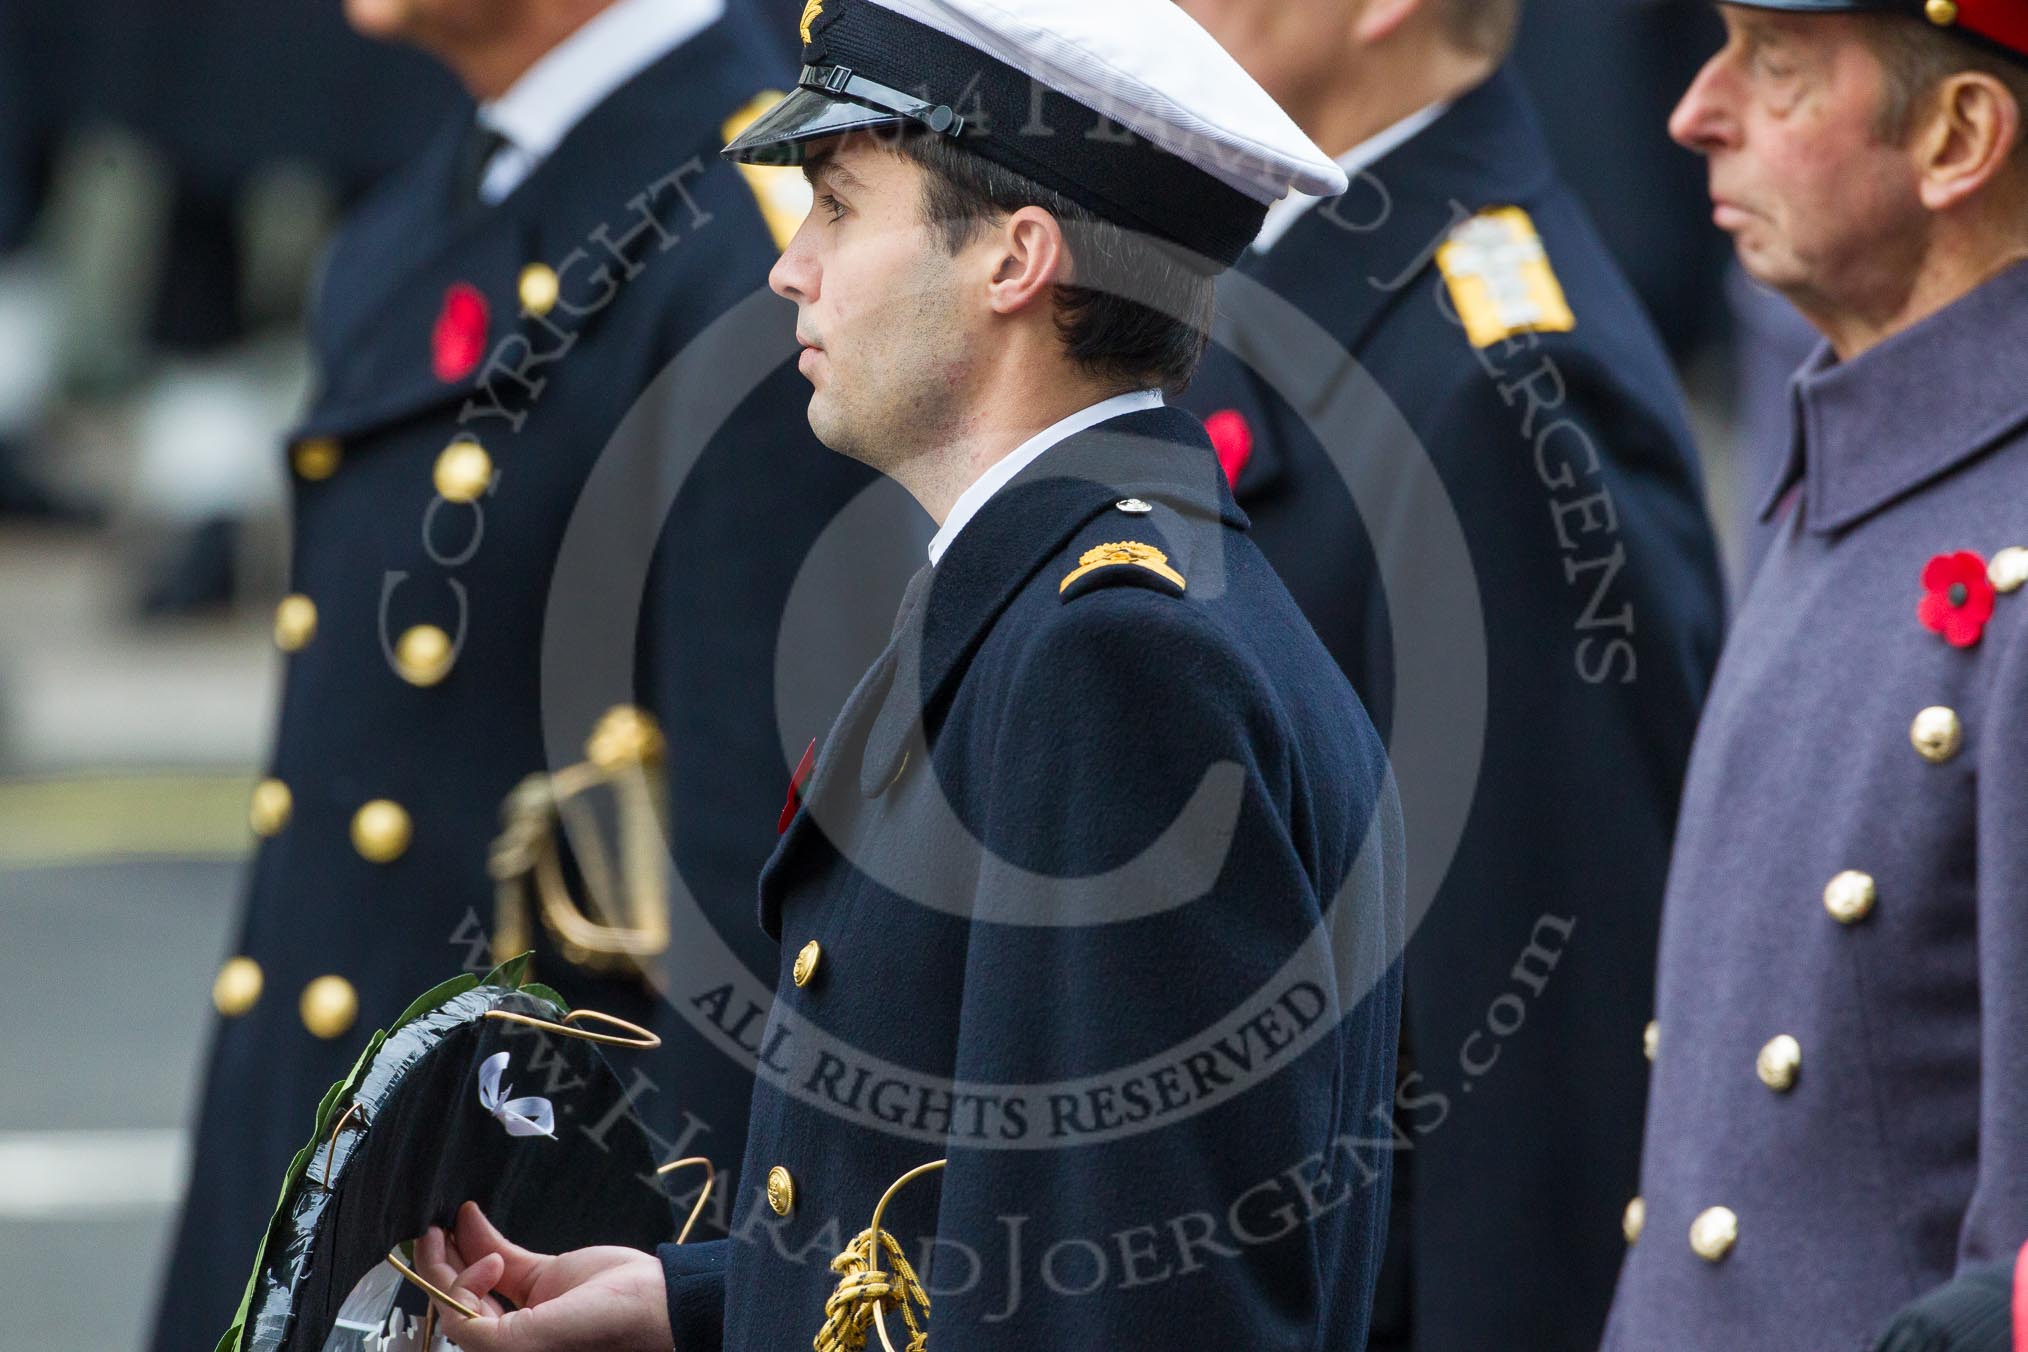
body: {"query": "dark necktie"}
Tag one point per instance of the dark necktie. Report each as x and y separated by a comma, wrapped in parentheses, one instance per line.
(912, 598)
(480, 144)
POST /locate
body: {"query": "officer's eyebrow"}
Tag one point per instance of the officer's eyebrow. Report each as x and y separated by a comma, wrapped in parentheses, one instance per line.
(824, 163)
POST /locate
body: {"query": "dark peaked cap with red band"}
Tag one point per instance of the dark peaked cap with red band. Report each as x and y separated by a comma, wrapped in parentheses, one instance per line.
(1998, 24)
(1125, 107)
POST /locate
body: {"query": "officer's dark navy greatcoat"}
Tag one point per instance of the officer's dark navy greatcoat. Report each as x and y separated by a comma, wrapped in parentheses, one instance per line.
(1558, 439)
(1094, 893)
(1839, 1112)
(435, 475)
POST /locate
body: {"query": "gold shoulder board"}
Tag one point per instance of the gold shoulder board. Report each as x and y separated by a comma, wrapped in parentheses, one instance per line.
(1125, 554)
(1500, 280)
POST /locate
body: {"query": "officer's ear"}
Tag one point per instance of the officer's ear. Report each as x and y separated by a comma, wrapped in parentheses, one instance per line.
(1032, 260)
(1969, 138)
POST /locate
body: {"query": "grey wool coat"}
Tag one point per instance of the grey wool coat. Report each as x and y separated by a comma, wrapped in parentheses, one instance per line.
(1838, 1121)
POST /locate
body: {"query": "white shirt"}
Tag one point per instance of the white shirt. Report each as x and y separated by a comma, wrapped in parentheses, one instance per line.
(577, 75)
(1027, 453)
(1283, 215)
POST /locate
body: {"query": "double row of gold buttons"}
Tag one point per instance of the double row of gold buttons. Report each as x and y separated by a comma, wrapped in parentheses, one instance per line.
(381, 829)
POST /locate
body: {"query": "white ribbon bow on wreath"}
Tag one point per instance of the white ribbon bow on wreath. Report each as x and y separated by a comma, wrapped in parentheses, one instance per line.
(520, 1116)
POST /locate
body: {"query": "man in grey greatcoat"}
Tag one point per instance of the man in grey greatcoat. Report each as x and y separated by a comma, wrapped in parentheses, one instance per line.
(1838, 1122)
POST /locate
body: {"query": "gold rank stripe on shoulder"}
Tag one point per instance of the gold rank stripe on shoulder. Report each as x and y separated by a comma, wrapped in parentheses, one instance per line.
(1125, 554)
(1500, 280)
(783, 194)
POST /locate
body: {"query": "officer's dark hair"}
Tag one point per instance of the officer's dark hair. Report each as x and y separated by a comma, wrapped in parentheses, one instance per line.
(1917, 58)
(1109, 330)
(1481, 27)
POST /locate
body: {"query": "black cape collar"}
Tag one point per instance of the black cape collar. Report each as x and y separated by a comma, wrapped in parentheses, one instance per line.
(1347, 259)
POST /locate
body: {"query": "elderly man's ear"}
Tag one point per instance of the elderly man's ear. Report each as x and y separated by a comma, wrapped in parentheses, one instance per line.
(1968, 139)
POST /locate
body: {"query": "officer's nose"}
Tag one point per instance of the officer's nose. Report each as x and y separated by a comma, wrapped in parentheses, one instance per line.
(1704, 120)
(795, 274)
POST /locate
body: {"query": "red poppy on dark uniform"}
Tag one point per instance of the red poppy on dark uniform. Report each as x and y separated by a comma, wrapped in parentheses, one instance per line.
(458, 342)
(795, 803)
(1232, 438)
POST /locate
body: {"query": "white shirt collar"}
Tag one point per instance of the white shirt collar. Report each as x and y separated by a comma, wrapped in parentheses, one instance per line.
(1283, 215)
(1026, 454)
(577, 75)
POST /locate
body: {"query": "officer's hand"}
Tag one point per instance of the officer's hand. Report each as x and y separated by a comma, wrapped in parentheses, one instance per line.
(591, 1300)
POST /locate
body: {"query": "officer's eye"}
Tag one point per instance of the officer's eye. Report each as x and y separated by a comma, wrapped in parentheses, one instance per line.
(831, 206)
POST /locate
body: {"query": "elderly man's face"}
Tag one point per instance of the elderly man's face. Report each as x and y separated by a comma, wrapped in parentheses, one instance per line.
(1818, 205)
(887, 327)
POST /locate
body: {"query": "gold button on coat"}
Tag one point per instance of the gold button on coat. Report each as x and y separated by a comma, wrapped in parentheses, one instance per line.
(270, 808)
(538, 289)
(624, 738)
(1942, 13)
(1779, 1062)
(1651, 1039)
(1850, 896)
(295, 623)
(1633, 1219)
(329, 1006)
(2008, 572)
(1938, 734)
(423, 655)
(463, 471)
(781, 1190)
(238, 987)
(381, 831)
(316, 459)
(1713, 1234)
(806, 963)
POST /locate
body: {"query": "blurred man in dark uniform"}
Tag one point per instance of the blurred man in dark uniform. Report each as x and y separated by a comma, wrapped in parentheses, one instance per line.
(484, 327)
(1465, 279)
(1838, 1126)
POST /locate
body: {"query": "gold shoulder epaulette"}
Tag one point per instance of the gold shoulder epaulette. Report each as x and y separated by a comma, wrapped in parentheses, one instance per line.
(1500, 279)
(1125, 554)
(783, 194)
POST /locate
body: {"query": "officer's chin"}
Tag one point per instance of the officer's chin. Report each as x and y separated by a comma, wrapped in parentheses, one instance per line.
(827, 425)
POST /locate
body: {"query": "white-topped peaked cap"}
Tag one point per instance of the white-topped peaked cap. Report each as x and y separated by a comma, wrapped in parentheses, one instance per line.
(1045, 88)
(1148, 66)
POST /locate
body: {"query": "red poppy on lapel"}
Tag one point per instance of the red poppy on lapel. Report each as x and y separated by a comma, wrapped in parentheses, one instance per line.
(1958, 600)
(1232, 438)
(458, 342)
(795, 803)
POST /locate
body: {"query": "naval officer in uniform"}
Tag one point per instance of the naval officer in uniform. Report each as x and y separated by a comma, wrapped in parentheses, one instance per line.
(1838, 1124)
(1463, 277)
(1086, 1001)
(485, 323)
